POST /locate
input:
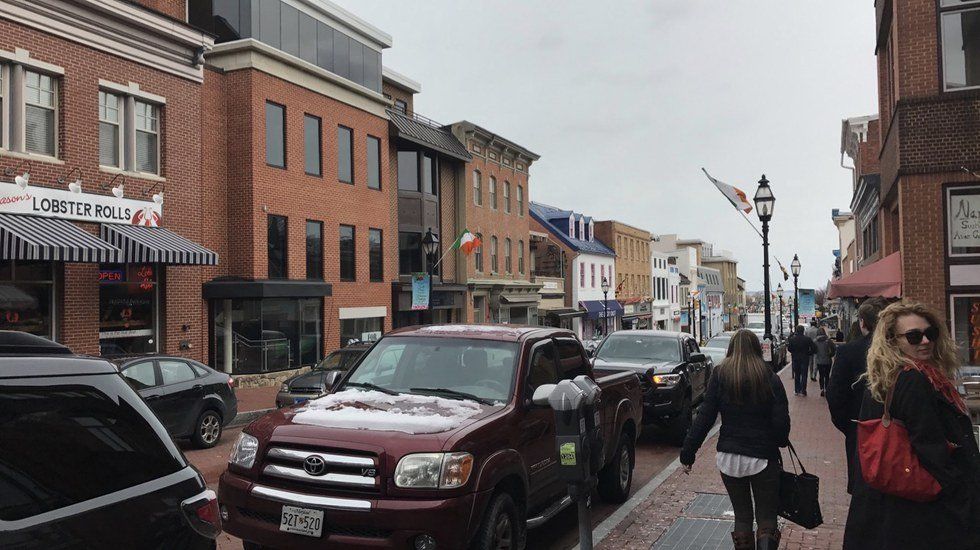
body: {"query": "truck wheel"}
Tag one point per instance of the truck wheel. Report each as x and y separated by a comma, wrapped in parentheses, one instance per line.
(502, 526)
(677, 430)
(616, 478)
(207, 430)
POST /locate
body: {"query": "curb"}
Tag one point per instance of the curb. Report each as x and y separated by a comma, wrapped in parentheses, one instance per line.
(246, 417)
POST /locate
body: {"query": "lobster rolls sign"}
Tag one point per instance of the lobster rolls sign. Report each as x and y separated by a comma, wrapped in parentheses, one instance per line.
(85, 207)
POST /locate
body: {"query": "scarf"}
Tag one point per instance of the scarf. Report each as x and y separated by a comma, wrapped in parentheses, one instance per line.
(941, 383)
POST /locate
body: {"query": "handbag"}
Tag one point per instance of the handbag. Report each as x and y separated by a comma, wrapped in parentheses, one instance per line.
(799, 495)
(888, 463)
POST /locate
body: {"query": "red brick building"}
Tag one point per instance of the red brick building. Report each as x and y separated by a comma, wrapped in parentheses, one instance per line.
(102, 197)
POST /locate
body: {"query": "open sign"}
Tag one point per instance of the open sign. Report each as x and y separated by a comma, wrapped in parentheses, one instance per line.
(112, 275)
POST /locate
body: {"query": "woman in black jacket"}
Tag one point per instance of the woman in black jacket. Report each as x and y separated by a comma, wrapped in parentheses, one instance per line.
(912, 354)
(754, 425)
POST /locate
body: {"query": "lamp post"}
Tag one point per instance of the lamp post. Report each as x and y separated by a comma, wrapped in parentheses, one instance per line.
(605, 306)
(795, 266)
(779, 293)
(764, 203)
(430, 247)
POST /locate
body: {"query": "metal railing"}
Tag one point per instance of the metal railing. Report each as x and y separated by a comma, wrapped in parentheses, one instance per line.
(247, 351)
(418, 118)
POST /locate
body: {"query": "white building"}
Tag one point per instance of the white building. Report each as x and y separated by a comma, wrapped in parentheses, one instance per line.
(660, 307)
(677, 303)
(712, 292)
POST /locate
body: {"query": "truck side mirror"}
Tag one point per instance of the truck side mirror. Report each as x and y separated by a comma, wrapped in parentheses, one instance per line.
(331, 378)
(697, 358)
(590, 352)
(541, 395)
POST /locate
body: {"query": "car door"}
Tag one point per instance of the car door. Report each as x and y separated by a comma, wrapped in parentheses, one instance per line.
(181, 396)
(536, 441)
(144, 377)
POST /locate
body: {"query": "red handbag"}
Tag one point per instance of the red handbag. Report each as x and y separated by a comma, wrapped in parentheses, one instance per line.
(888, 462)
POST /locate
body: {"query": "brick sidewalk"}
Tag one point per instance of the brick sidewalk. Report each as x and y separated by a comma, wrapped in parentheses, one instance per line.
(821, 448)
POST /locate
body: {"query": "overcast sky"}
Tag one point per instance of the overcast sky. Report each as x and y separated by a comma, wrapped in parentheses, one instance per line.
(625, 101)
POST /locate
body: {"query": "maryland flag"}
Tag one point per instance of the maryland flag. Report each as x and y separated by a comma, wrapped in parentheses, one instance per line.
(734, 195)
(467, 242)
(783, 269)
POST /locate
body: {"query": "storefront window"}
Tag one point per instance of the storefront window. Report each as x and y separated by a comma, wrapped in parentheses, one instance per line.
(966, 328)
(127, 309)
(27, 297)
(267, 335)
(367, 329)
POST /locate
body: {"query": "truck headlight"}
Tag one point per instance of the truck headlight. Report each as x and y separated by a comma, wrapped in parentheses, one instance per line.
(244, 451)
(666, 379)
(434, 470)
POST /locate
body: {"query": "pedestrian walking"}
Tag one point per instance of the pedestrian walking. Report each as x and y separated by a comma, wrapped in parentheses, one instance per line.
(802, 349)
(913, 356)
(845, 389)
(824, 358)
(811, 332)
(754, 425)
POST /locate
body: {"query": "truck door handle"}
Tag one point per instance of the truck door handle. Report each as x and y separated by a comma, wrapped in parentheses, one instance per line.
(198, 386)
(151, 397)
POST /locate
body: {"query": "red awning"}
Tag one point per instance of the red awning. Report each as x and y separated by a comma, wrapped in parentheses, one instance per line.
(881, 279)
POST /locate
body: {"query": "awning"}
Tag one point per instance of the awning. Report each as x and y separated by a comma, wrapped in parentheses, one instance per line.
(35, 238)
(595, 308)
(141, 244)
(563, 313)
(881, 279)
(520, 298)
(235, 288)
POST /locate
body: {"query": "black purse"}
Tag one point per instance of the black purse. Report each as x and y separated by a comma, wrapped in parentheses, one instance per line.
(798, 495)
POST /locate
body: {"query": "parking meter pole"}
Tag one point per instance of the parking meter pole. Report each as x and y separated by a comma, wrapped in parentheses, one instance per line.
(584, 517)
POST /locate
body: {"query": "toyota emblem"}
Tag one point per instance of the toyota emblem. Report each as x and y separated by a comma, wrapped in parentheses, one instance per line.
(314, 465)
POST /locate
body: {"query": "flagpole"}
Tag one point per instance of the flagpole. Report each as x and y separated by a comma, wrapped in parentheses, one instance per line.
(451, 247)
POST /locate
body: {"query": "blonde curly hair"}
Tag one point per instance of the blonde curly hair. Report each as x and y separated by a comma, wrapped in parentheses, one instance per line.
(885, 359)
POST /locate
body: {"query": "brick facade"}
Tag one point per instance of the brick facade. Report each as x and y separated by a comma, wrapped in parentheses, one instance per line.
(632, 247)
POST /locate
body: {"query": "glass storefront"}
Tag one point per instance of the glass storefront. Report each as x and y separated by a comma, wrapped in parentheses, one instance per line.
(367, 329)
(128, 304)
(27, 297)
(966, 327)
(267, 335)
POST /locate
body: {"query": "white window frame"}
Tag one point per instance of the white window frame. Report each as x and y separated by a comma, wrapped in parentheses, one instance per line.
(943, 12)
(120, 116)
(129, 95)
(55, 92)
(4, 106)
(154, 118)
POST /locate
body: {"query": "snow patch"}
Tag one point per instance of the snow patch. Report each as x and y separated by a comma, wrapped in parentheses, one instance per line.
(374, 410)
(495, 329)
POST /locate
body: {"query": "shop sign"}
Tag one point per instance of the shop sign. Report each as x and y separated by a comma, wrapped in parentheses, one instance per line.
(808, 303)
(84, 207)
(112, 275)
(629, 309)
(420, 291)
(372, 336)
(963, 221)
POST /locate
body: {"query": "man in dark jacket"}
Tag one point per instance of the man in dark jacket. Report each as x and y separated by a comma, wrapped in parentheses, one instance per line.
(801, 347)
(845, 390)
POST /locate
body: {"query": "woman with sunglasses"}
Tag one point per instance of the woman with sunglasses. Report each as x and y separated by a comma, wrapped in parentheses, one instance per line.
(913, 355)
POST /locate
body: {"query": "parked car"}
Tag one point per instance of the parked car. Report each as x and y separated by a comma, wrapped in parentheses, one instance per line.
(673, 371)
(432, 440)
(86, 464)
(191, 399)
(757, 325)
(717, 347)
(314, 383)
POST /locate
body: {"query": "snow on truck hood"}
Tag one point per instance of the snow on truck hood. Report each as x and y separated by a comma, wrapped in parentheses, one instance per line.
(374, 410)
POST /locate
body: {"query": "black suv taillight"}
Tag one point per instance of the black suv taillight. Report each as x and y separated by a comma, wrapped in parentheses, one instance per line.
(202, 513)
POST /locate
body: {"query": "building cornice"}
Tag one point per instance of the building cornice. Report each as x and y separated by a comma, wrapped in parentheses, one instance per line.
(348, 20)
(399, 80)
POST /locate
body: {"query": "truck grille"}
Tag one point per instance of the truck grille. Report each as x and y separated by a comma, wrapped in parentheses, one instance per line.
(323, 468)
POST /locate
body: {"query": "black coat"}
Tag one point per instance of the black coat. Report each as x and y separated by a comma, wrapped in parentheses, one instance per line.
(952, 522)
(751, 430)
(844, 394)
(801, 347)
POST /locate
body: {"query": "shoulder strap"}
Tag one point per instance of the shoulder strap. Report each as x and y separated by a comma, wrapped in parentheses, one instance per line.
(886, 417)
(792, 455)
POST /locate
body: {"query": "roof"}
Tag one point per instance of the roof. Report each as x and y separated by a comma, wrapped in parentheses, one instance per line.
(503, 333)
(545, 213)
(880, 279)
(411, 128)
(467, 126)
(396, 78)
(16, 342)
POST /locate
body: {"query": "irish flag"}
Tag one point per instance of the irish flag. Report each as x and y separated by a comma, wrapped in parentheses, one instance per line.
(467, 242)
(734, 195)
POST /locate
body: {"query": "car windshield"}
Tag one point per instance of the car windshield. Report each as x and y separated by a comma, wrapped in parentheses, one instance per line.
(719, 342)
(756, 324)
(447, 367)
(331, 362)
(716, 354)
(622, 346)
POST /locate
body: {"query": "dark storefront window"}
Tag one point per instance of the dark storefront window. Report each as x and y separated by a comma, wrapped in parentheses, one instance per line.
(345, 154)
(348, 267)
(409, 252)
(429, 182)
(128, 298)
(374, 162)
(314, 250)
(275, 135)
(375, 254)
(27, 297)
(360, 330)
(277, 247)
(267, 335)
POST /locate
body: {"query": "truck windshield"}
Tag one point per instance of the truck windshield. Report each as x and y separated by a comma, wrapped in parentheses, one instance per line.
(481, 368)
(622, 346)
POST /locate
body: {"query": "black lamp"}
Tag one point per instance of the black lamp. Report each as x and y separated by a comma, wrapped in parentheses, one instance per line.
(764, 205)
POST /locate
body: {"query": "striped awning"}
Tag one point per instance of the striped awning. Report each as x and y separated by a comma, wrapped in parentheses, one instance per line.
(141, 244)
(35, 238)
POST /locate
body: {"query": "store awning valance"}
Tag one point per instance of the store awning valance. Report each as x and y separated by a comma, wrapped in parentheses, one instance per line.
(596, 309)
(141, 244)
(881, 279)
(520, 298)
(36, 238)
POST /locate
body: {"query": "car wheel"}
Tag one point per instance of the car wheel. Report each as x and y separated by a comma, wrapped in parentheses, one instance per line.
(502, 526)
(207, 430)
(616, 479)
(677, 430)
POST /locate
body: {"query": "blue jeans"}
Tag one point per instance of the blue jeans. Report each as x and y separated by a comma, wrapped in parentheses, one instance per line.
(801, 370)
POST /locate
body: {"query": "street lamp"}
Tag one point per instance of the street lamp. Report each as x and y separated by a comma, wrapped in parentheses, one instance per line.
(764, 204)
(779, 293)
(430, 247)
(605, 306)
(795, 266)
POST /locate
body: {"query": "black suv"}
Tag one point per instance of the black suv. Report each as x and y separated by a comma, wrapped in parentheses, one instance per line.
(85, 464)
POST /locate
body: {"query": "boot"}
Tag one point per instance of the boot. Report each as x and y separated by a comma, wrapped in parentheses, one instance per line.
(767, 538)
(743, 540)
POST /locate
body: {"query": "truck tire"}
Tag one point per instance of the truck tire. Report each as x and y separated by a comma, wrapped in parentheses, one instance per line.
(502, 525)
(680, 424)
(616, 479)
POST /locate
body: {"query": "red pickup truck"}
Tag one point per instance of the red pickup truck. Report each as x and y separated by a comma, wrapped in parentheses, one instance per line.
(430, 441)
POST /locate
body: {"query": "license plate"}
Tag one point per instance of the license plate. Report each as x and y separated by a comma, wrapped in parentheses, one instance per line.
(302, 521)
(298, 400)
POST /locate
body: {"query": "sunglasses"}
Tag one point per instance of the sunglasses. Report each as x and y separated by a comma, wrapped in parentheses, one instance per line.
(914, 336)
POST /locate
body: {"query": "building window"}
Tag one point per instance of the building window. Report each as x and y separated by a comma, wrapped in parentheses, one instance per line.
(520, 200)
(507, 256)
(602, 272)
(348, 268)
(593, 275)
(127, 309)
(275, 134)
(27, 297)
(314, 250)
(493, 192)
(408, 170)
(277, 247)
(311, 144)
(477, 188)
(401, 106)
(966, 327)
(110, 122)
(366, 329)
(478, 253)
(373, 162)
(581, 275)
(869, 237)
(409, 252)
(40, 114)
(961, 45)
(274, 334)
(520, 257)
(494, 267)
(3, 105)
(345, 154)
(430, 184)
(507, 197)
(147, 138)
(375, 255)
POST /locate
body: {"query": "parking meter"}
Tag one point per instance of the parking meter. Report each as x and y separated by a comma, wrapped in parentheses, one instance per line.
(593, 425)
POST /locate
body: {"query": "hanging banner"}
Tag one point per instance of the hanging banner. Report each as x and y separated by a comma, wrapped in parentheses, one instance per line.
(808, 302)
(420, 291)
(84, 207)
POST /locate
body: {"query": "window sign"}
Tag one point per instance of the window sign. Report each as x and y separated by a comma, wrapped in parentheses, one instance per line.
(966, 327)
(963, 221)
(127, 309)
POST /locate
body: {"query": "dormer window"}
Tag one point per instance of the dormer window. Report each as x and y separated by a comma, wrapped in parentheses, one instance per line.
(581, 229)
(571, 227)
(591, 231)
